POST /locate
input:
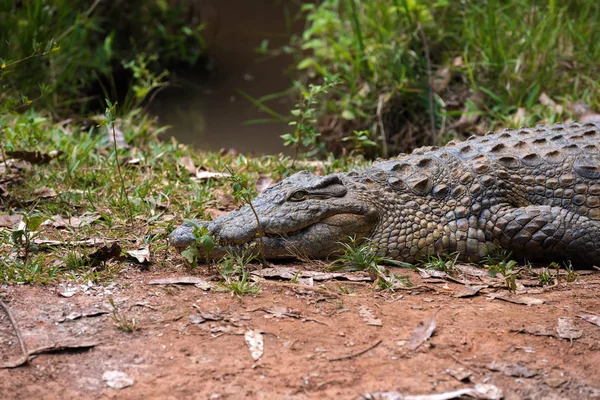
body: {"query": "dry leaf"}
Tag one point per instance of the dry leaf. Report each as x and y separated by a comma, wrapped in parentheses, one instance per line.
(104, 254)
(204, 175)
(59, 222)
(183, 280)
(422, 332)
(255, 341)
(189, 165)
(470, 291)
(482, 391)
(441, 79)
(592, 319)
(551, 104)
(142, 256)
(10, 220)
(460, 374)
(528, 301)
(516, 370)
(368, 316)
(45, 193)
(567, 330)
(262, 183)
(291, 273)
(537, 330)
(33, 157)
(519, 117)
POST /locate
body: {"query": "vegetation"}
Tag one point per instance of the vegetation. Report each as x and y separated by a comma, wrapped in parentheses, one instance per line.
(416, 72)
(374, 77)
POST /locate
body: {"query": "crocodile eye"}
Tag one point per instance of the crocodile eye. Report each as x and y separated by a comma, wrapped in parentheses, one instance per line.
(298, 195)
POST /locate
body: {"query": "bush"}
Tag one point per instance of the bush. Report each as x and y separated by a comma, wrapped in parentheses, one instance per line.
(412, 68)
(67, 48)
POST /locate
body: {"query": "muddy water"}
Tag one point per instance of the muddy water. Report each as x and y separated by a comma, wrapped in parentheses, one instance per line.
(206, 109)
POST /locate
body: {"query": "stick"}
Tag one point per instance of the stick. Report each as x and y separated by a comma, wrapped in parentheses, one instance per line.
(360, 353)
(24, 354)
(429, 84)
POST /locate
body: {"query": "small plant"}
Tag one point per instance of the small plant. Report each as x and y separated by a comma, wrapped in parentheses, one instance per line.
(358, 256)
(571, 274)
(238, 284)
(501, 263)
(121, 320)
(203, 245)
(306, 133)
(546, 277)
(444, 263)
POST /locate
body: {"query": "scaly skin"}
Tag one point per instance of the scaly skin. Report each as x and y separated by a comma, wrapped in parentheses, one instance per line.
(535, 192)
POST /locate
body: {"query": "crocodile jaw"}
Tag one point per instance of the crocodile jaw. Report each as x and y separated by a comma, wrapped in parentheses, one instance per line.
(305, 243)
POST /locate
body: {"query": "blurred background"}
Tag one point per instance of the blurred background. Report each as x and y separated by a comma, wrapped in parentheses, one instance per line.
(374, 77)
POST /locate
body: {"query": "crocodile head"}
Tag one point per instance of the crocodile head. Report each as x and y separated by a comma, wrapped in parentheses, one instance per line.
(302, 216)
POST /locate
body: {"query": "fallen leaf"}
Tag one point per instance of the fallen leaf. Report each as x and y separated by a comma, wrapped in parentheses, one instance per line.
(117, 379)
(567, 330)
(104, 254)
(188, 163)
(88, 242)
(262, 183)
(183, 280)
(368, 316)
(83, 314)
(470, 291)
(45, 193)
(204, 175)
(76, 222)
(441, 79)
(142, 256)
(255, 341)
(65, 346)
(10, 220)
(546, 101)
(33, 157)
(516, 370)
(482, 391)
(422, 332)
(291, 273)
(537, 330)
(519, 117)
(68, 291)
(592, 319)
(460, 374)
(528, 301)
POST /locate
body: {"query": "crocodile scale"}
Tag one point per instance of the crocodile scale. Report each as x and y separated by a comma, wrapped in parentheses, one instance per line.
(532, 191)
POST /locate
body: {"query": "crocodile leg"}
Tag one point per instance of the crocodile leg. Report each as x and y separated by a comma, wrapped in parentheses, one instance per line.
(547, 233)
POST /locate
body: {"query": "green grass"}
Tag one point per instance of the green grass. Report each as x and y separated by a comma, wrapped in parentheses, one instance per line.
(159, 192)
(500, 56)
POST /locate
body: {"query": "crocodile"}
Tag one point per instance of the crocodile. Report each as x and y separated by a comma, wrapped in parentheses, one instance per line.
(532, 191)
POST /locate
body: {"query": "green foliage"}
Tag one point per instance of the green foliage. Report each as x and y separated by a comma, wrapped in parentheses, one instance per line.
(361, 255)
(502, 264)
(505, 53)
(234, 271)
(445, 263)
(64, 48)
(306, 134)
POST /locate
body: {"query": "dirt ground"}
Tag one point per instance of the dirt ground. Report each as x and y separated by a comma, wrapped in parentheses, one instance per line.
(335, 339)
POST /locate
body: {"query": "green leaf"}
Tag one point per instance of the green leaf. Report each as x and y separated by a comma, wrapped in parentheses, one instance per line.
(33, 223)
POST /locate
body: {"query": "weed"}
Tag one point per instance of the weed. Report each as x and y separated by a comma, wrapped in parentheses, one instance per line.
(122, 321)
(502, 264)
(238, 284)
(570, 273)
(357, 256)
(546, 278)
(445, 263)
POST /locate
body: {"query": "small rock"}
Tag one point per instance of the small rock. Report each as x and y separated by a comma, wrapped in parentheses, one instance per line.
(117, 379)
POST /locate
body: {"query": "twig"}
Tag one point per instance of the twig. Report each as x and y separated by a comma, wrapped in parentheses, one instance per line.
(384, 139)
(464, 364)
(360, 353)
(24, 354)
(123, 191)
(429, 84)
